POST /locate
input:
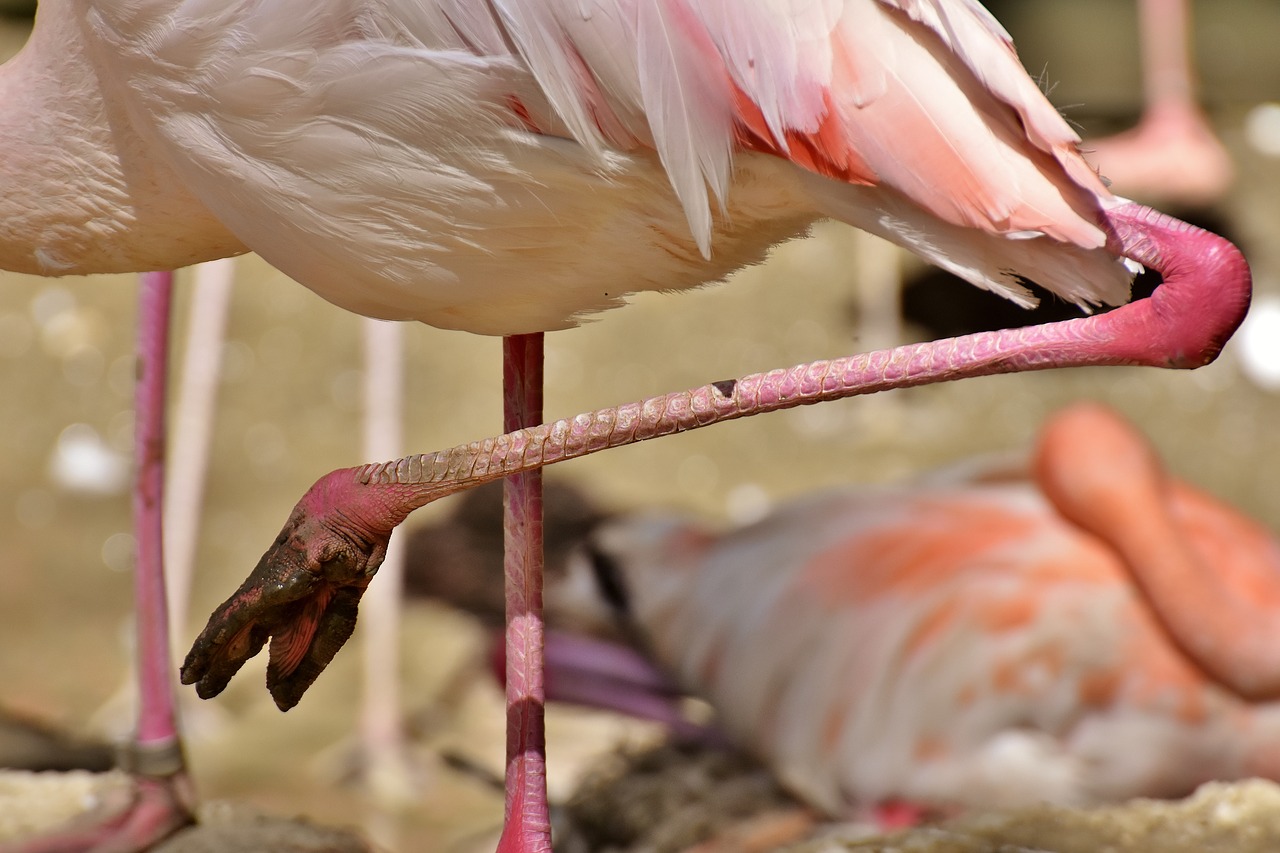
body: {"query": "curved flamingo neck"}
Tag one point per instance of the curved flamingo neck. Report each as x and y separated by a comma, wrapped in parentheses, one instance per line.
(1101, 475)
(1183, 324)
(1207, 290)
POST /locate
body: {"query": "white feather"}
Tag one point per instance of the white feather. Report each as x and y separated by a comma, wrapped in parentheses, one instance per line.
(588, 144)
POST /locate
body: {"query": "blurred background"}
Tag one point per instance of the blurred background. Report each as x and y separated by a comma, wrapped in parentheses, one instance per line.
(289, 411)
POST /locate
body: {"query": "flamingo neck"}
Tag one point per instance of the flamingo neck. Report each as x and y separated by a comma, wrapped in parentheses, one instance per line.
(1102, 476)
(79, 192)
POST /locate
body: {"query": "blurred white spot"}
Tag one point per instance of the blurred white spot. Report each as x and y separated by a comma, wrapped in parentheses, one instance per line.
(50, 302)
(1229, 813)
(67, 333)
(119, 552)
(1257, 344)
(83, 463)
(35, 509)
(747, 504)
(1262, 128)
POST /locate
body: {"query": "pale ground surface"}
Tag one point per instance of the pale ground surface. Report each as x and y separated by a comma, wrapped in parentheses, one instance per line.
(1219, 818)
(289, 414)
(669, 799)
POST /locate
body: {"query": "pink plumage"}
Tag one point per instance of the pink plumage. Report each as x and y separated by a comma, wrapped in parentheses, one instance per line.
(522, 152)
(959, 642)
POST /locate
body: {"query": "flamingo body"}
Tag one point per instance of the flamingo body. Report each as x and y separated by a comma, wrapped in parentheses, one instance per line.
(949, 644)
(507, 168)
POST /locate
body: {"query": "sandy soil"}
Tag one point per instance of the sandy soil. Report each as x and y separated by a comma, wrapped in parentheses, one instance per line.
(671, 799)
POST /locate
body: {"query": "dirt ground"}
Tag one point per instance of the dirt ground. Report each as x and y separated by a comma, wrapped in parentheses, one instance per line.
(288, 413)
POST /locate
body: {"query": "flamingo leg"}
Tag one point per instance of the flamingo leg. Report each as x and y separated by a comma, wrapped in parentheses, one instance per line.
(187, 465)
(1172, 155)
(158, 759)
(383, 764)
(527, 828)
(163, 796)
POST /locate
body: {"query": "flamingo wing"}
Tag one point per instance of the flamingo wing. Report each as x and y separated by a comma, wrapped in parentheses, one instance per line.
(427, 149)
(917, 113)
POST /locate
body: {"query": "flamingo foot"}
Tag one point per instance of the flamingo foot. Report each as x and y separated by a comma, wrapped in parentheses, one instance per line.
(303, 595)
(149, 810)
(1171, 157)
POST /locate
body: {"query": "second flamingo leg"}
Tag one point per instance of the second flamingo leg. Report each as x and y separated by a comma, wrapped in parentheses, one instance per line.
(162, 792)
(165, 792)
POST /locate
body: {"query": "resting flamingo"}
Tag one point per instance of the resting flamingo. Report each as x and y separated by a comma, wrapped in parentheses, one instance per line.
(509, 168)
(1001, 638)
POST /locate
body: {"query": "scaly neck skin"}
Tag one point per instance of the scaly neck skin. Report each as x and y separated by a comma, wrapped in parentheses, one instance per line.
(79, 193)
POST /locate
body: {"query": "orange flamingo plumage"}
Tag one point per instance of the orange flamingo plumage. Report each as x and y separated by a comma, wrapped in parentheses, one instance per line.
(987, 640)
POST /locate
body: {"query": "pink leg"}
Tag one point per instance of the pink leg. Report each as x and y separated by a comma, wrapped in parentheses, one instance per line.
(528, 826)
(1172, 156)
(163, 795)
(383, 764)
(188, 454)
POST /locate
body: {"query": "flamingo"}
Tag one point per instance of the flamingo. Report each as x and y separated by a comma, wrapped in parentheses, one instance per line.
(509, 168)
(988, 640)
(1172, 156)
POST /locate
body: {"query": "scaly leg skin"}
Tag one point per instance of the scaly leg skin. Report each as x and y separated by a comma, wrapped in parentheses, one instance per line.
(162, 796)
(304, 591)
(527, 828)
